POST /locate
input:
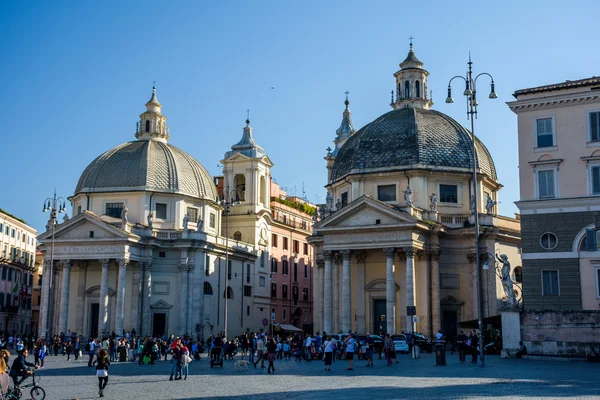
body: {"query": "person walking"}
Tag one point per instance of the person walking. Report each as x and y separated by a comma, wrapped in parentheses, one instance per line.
(369, 346)
(260, 350)
(473, 343)
(389, 346)
(271, 355)
(91, 350)
(328, 351)
(350, 343)
(77, 348)
(68, 349)
(102, 363)
(185, 362)
(461, 342)
(175, 360)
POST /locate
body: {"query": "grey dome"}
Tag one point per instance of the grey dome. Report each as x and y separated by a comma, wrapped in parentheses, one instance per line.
(411, 138)
(147, 165)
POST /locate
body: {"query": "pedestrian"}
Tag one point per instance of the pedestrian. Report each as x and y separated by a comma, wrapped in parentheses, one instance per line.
(388, 344)
(271, 355)
(260, 350)
(90, 348)
(77, 349)
(102, 363)
(185, 362)
(328, 349)
(4, 378)
(461, 342)
(369, 344)
(68, 349)
(350, 343)
(175, 360)
(473, 343)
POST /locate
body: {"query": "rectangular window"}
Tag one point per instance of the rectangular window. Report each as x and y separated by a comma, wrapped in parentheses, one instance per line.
(248, 310)
(207, 265)
(162, 254)
(273, 290)
(1, 227)
(263, 255)
(296, 246)
(595, 177)
(114, 209)
(161, 210)
(448, 194)
(295, 272)
(78, 210)
(306, 248)
(550, 283)
(598, 282)
(274, 265)
(305, 294)
(12, 233)
(546, 184)
(284, 316)
(211, 220)
(274, 240)
(284, 267)
(543, 130)
(386, 193)
(248, 291)
(4, 272)
(595, 126)
(344, 199)
(10, 272)
(284, 292)
(247, 273)
(305, 271)
(262, 282)
(192, 214)
(285, 243)
(229, 269)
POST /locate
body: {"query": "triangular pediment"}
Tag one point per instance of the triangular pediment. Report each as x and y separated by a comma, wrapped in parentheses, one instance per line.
(367, 212)
(80, 226)
(242, 157)
(161, 304)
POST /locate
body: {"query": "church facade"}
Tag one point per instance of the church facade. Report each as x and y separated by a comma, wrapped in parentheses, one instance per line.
(153, 246)
(397, 229)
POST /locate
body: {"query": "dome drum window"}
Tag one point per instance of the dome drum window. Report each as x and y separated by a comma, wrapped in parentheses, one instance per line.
(449, 194)
(386, 192)
(114, 209)
(548, 240)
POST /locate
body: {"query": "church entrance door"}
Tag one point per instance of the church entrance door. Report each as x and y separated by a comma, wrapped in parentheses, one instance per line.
(159, 323)
(379, 320)
(94, 316)
(450, 324)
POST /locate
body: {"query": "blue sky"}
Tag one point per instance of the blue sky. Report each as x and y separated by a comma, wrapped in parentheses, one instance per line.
(76, 76)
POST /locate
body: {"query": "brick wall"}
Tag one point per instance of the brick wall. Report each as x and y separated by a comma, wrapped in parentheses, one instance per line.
(560, 332)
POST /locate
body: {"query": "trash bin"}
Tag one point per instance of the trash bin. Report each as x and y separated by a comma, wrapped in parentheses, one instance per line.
(440, 354)
(122, 354)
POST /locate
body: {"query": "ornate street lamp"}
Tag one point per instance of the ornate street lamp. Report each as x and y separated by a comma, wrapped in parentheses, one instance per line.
(54, 205)
(227, 204)
(471, 95)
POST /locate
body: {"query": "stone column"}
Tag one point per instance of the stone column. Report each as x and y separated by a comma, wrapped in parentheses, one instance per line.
(361, 322)
(436, 313)
(317, 300)
(121, 284)
(327, 292)
(198, 280)
(322, 295)
(43, 322)
(339, 276)
(136, 297)
(390, 291)
(410, 282)
(146, 299)
(79, 309)
(64, 295)
(346, 301)
(103, 315)
(190, 299)
(55, 301)
(183, 295)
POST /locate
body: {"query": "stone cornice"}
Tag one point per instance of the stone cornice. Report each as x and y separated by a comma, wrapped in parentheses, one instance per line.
(551, 102)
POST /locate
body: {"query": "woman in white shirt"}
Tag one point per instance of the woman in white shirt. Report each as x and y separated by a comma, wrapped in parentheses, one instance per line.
(328, 348)
(350, 342)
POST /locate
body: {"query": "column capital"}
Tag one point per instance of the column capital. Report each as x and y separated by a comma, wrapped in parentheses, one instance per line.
(63, 264)
(123, 262)
(191, 266)
(346, 254)
(104, 261)
(435, 254)
(337, 257)
(147, 265)
(389, 252)
(361, 256)
(410, 252)
(136, 265)
(320, 263)
(58, 266)
(183, 266)
(471, 257)
(82, 265)
(327, 254)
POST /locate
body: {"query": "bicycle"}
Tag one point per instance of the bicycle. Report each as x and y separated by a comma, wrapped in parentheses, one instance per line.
(36, 392)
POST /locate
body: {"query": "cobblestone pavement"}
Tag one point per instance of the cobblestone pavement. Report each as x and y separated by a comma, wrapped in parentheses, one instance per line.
(409, 379)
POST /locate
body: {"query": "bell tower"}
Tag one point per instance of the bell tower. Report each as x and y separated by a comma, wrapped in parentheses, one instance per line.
(152, 125)
(411, 84)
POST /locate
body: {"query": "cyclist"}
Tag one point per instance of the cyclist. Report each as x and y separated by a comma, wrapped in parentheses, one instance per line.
(19, 368)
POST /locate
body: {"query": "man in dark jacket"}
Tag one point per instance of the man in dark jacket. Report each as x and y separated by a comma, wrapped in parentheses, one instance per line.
(19, 368)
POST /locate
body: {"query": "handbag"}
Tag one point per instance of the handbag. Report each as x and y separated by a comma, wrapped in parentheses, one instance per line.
(101, 373)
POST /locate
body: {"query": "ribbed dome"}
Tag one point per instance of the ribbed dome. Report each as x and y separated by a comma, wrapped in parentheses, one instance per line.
(411, 138)
(147, 165)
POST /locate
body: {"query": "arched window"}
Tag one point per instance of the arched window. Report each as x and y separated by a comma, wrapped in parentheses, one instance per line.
(240, 187)
(417, 89)
(147, 125)
(237, 236)
(518, 274)
(229, 293)
(263, 190)
(273, 289)
(284, 292)
(208, 289)
(399, 92)
(406, 89)
(305, 294)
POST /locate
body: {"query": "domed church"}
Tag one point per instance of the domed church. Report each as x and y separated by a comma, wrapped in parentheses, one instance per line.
(145, 248)
(397, 229)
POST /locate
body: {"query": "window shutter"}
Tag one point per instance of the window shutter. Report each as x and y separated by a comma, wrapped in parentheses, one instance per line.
(590, 240)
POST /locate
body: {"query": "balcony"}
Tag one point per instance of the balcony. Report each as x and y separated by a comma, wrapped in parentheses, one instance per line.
(453, 221)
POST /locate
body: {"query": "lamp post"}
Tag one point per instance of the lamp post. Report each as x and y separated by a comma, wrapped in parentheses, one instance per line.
(54, 205)
(471, 95)
(227, 203)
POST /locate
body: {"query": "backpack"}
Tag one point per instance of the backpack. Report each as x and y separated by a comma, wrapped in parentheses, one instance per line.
(87, 347)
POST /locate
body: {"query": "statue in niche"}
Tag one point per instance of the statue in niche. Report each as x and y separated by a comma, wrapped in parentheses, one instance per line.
(408, 195)
(199, 224)
(489, 205)
(124, 213)
(150, 219)
(186, 220)
(433, 202)
(329, 201)
(507, 283)
(472, 205)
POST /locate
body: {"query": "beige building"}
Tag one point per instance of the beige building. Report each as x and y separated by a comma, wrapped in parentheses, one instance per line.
(36, 297)
(397, 228)
(17, 260)
(559, 173)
